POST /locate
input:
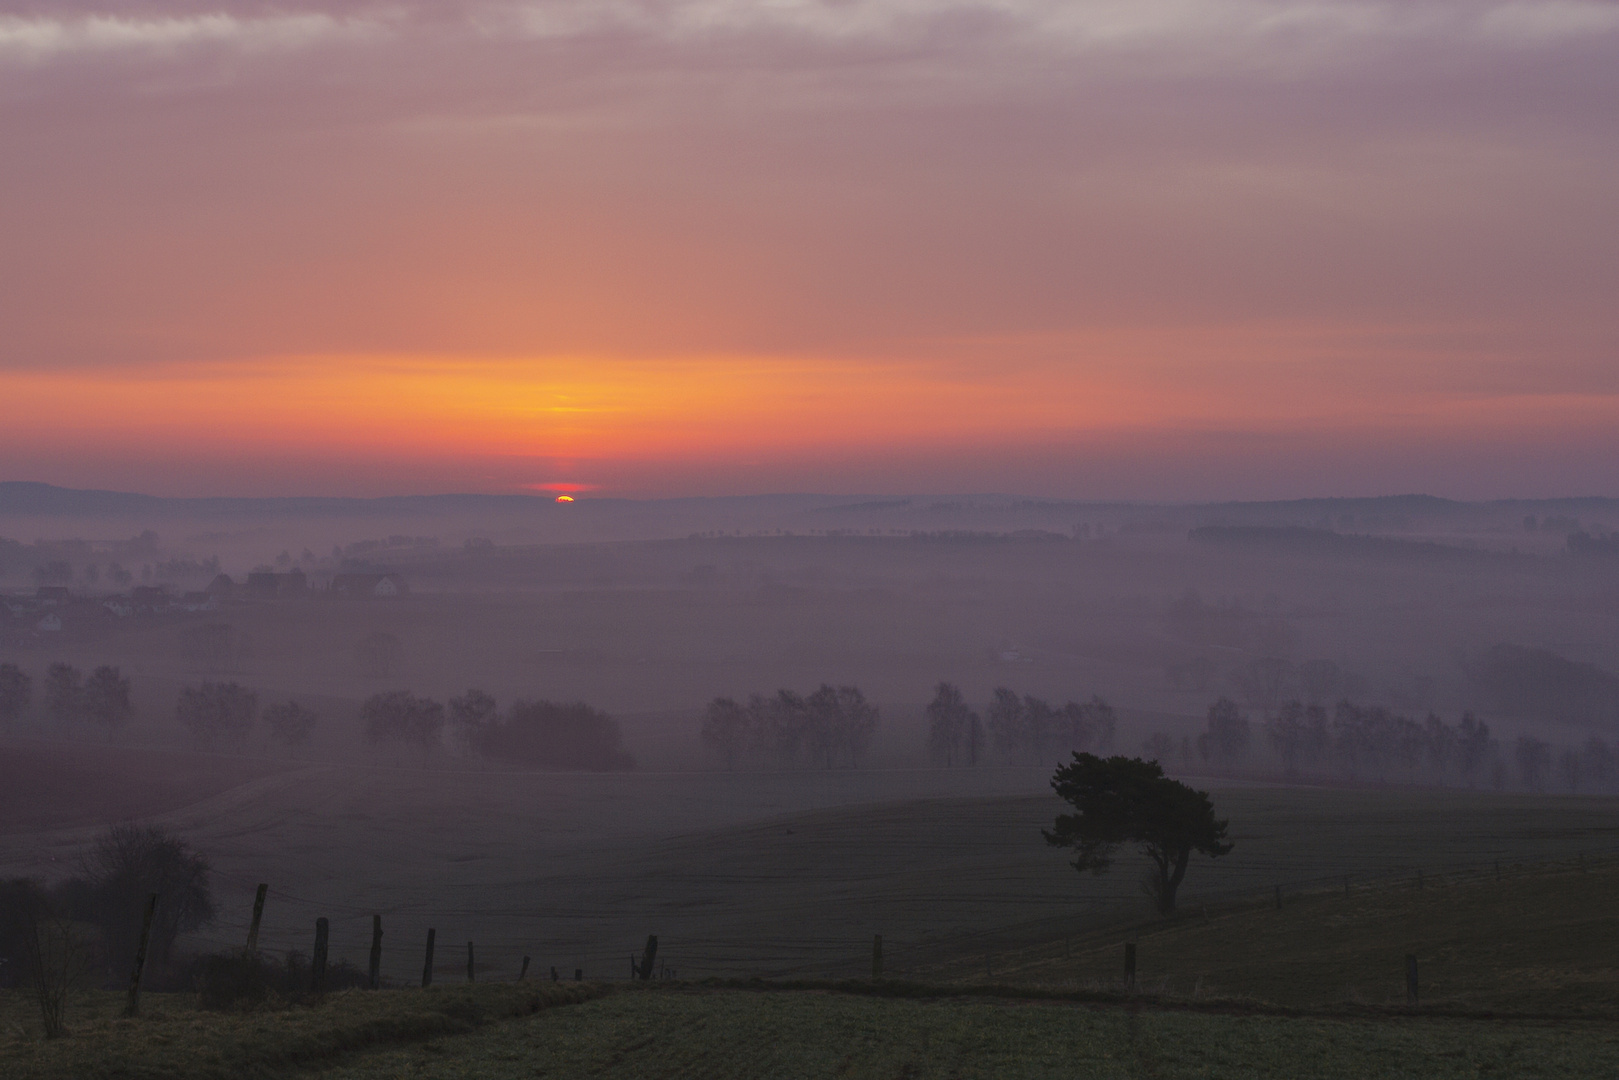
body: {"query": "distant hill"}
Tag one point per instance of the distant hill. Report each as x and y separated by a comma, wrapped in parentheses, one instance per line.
(1304, 541)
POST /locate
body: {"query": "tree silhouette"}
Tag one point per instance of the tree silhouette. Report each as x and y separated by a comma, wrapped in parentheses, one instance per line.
(64, 694)
(106, 699)
(950, 724)
(217, 713)
(16, 692)
(1129, 801)
(727, 729)
(290, 723)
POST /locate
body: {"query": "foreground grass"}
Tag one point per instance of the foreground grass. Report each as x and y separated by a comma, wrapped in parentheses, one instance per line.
(738, 1033)
(173, 1039)
(1542, 941)
(496, 1033)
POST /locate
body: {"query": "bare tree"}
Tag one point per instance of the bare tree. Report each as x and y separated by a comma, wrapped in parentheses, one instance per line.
(1225, 742)
(106, 699)
(58, 952)
(217, 713)
(727, 729)
(471, 716)
(16, 693)
(1006, 731)
(290, 723)
(64, 694)
(1534, 757)
(399, 716)
(949, 724)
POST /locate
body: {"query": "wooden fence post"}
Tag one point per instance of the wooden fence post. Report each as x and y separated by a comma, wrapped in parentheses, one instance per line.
(317, 965)
(258, 916)
(427, 965)
(376, 952)
(523, 972)
(578, 974)
(132, 1007)
(554, 976)
(1411, 978)
(470, 977)
(1129, 965)
(876, 956)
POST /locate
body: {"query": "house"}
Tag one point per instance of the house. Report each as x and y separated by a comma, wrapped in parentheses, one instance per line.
(50, 624)
(267, 585)
(222, 586)
(369, 586)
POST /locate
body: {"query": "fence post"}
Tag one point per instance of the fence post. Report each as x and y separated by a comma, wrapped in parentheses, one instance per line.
(376, 952)
(132, 1007)
(258, 916)
(578, 974)
(523, 972)
(469, 963)
(1129, 965)
(644, 969)
(427, 965)
(877, 956)
(554, 976)
(317, 965)
(1411, 978)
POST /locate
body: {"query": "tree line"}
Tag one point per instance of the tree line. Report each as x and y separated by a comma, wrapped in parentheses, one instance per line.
(101, 699)
(1021, 729)
(544, 734)
(826, 729)
(1372, 742)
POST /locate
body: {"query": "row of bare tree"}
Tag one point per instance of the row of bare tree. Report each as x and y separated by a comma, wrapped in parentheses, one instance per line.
(1372, 742)
(544, 734)
(829, 728)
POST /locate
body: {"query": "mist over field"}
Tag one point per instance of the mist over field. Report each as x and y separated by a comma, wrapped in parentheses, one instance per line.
(556, 728)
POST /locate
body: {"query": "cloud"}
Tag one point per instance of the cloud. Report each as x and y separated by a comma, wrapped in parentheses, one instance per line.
(1240, 32)
(41, 38)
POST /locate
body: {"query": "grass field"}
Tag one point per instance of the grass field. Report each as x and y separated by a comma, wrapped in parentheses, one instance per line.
(784, 875)
(503, 1032)
(1542, 941)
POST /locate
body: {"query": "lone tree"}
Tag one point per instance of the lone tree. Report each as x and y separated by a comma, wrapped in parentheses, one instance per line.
(1129, 801)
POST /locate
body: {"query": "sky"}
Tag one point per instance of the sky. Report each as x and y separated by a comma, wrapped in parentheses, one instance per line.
(1151, 249)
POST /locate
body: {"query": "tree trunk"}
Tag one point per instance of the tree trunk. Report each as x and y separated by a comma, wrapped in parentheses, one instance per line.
(1170, 882)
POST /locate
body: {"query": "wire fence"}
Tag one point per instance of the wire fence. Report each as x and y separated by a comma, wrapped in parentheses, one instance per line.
(504, 936)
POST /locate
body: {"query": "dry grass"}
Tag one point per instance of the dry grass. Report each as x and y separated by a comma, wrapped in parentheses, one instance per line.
(172, 1039)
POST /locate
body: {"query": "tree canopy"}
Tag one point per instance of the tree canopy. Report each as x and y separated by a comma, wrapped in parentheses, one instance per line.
(1125, 800)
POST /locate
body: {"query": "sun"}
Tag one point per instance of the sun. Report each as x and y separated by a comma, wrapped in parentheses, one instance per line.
(564, 498)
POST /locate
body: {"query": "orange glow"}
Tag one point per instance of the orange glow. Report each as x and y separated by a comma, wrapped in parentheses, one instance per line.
(584, 423)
